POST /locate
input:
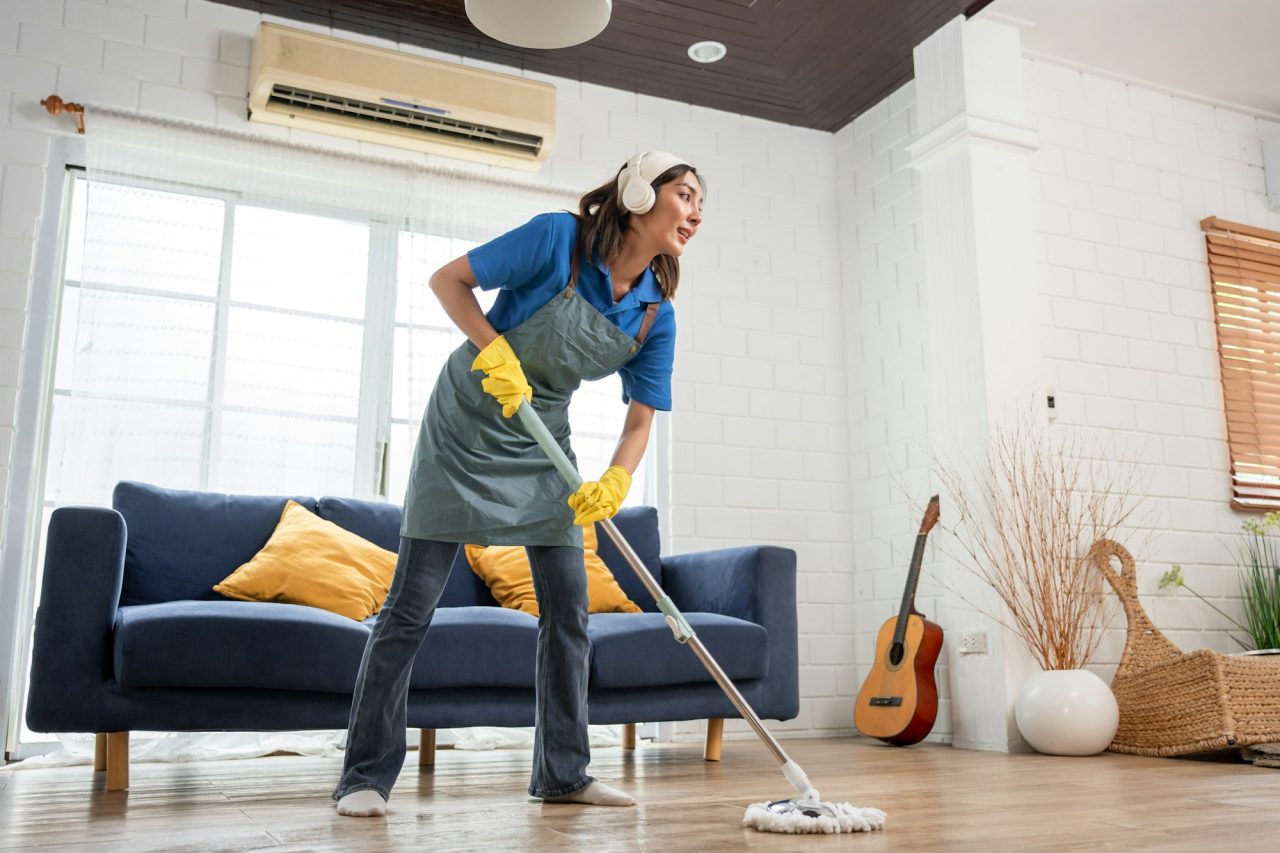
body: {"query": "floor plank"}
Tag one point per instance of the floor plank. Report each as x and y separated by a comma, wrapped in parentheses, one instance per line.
(937, 798)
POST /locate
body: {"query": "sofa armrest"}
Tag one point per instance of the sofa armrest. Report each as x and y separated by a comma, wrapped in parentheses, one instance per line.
(79, 595)
(757, 584)
(741, 582)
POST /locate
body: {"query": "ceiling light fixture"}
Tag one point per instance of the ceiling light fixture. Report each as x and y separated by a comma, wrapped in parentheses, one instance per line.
(542, 24)
(707, 51)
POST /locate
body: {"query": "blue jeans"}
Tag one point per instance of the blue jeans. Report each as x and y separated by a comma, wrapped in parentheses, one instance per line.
(379, 708)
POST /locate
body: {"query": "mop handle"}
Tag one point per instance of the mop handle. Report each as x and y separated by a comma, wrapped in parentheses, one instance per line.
(675, 619)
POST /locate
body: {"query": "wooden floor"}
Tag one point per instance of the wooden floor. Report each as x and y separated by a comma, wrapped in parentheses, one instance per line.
(937, 798)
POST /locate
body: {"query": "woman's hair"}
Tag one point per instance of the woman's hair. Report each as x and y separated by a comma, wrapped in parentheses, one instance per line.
(602, 220)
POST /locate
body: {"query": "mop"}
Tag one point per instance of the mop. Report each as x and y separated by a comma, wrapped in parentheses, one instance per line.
(808, 813)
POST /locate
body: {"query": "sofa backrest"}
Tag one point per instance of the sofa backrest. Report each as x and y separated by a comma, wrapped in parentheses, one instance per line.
(639, 526)
(380, 524)
(181, 543)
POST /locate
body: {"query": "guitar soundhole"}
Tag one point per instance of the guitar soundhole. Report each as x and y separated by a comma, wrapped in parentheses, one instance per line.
(896, 653)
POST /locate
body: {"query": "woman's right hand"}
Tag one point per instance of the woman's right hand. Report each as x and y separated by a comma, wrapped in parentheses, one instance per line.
(504, 377)
(600, 499)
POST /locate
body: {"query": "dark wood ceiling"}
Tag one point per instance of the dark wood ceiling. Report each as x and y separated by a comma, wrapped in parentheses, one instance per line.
(813, 63)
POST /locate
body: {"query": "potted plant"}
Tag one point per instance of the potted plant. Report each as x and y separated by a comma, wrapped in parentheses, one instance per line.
(1259, 562)
(1260, 583)
(1022, 520)
(1173, 578)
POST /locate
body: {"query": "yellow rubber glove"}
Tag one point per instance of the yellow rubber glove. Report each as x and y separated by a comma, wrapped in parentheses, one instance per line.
(504, 378)
(600, 499)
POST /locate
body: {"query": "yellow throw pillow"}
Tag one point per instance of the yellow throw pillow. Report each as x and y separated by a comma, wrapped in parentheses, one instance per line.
(505, 570)
(311, 561)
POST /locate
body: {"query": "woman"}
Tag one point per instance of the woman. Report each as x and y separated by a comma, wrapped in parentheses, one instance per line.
(478, 477)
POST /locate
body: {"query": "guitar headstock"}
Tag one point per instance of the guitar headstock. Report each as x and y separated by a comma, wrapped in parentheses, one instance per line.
(930, 515)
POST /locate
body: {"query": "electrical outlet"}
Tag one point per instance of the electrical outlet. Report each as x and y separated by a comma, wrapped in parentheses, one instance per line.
(973, 643)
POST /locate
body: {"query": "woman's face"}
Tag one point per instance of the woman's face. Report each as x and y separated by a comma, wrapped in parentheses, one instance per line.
(675, 216)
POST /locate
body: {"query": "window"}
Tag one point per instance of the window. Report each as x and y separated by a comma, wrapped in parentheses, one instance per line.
(217, 342)
(1244, 265)
(222, 344)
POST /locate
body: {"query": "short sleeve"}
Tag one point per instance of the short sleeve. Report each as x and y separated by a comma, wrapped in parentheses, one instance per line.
(647, 377)
(517, 257)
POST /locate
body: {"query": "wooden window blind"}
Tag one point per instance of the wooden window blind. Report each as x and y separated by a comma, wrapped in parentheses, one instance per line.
(1244, 265)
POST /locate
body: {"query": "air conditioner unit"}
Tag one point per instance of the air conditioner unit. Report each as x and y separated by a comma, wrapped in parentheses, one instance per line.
(328, 85)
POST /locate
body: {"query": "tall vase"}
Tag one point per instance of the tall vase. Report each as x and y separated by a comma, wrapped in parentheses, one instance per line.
(1067, 712)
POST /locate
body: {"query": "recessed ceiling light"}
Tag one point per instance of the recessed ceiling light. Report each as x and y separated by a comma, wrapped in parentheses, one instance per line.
(707, 51)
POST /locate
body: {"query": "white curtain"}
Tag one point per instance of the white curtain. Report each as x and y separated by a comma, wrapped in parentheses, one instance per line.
(246, 315)
(217, 338)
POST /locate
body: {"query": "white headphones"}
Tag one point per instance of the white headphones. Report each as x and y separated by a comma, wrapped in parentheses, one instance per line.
(635, 181)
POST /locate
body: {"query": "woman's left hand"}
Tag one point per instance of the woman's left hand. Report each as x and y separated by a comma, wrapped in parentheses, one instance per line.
(600, 499)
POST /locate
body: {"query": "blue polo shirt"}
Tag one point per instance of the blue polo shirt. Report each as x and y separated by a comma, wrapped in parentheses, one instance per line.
(530, 265)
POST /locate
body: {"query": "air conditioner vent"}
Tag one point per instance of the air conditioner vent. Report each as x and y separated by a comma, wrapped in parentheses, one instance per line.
(417, 121)
(321, 84)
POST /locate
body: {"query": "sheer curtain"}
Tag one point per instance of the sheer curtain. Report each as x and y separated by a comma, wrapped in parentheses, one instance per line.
(230, 328)
(246, 315)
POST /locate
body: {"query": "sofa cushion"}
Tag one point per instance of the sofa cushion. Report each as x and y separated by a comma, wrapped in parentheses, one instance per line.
(182, 543)
(506, 571)
(639, 650)
(379, 522)
(478, 647)
(312, 561)
(290, 647)
(236, 644)
(639, 526)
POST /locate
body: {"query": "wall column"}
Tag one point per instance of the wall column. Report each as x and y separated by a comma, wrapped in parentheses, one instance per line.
(982, 309)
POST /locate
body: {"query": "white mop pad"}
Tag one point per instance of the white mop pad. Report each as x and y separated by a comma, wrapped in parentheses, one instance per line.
(801, 817)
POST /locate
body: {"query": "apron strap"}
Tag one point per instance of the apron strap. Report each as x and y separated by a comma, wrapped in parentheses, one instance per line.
(650, 314)
(650, 308)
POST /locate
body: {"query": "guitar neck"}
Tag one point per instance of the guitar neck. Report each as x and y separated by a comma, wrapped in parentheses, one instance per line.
(909, 594)
(913, 576)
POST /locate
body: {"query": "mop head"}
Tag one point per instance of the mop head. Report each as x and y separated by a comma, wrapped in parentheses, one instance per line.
(799, 816)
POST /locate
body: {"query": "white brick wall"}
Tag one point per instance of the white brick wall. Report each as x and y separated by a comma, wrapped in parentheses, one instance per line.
(1124, 175)
(760, 446)
(1121, 180)
(888, 396)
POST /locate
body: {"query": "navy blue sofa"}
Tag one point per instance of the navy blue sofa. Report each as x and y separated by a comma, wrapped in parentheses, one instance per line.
(130, 635)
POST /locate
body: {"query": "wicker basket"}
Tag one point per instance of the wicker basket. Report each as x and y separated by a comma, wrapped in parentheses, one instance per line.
(1176, 703)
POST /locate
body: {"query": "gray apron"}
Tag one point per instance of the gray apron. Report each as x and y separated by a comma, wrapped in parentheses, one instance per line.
(478, 477)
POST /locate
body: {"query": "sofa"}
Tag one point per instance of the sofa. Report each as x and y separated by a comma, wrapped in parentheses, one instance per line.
(130, 636)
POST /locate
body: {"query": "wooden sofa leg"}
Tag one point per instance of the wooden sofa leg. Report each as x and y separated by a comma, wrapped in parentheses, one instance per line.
(628, 735)
(99, 751)
(715, 734)
(427, 748)
(117, 761)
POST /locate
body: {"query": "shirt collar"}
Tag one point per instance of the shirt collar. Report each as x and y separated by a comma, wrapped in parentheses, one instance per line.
(647, 290)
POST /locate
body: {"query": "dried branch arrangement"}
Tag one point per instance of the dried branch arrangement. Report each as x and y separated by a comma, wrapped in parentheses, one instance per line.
(1022, 520)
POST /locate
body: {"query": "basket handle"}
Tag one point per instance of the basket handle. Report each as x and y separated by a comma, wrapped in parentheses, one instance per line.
(1126, 583)
(1145, 645)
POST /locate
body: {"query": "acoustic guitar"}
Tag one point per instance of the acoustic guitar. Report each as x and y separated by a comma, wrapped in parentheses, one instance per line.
(898, 702)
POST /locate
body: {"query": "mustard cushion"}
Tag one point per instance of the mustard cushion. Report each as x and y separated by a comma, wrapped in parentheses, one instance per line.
(311, 561)
(505, 570)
